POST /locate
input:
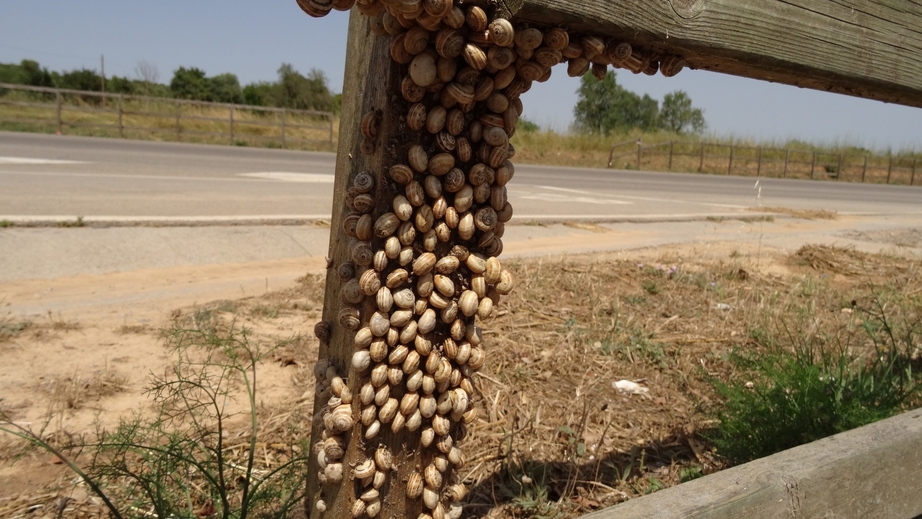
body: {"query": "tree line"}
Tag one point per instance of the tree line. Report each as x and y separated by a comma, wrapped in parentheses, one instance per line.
(605, 107)
(291, 90)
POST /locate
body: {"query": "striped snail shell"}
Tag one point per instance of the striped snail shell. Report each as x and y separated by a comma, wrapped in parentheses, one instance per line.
(671, 65)
(403, 210)
(466, 227)
(485, 219)
(592, 46)
(427, 322)
(497, 102)
(399, 51)
(363, 203)
(350, 318)
(506, 283)
(573, 50)
(410, 91)
(362, 254)
(315, 8)
(474, 56)
(476, 18)
(435, 120)
(418, 158)
(620, 52)
(415, 42)
(350, 224)
(496, 136)
(447, 265)
(323, 330)
(547, 57)
(415, 193)
(415, 485)
(447, 68)
(384, 299)
(455, 18)
(423, 69)
(556, 38)
(395, 279)
(502, 33)
(424, 286)
(529, 39)
(361, 360)
(484, 86)
(424, 219)
(449, 43)
(530, 70)
(454, 123)
(363, 227)
(346, 270)
(445, 140)
(399, 319)
(401, 174)
(464, 198)
(370, 282)
(416, 118)
(454, 180)
(599, 71)
(370, 124)
(438, 8)
(386, 225)
(468, 303)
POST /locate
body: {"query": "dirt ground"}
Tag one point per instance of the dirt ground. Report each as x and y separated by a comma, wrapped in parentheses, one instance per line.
(661, 317)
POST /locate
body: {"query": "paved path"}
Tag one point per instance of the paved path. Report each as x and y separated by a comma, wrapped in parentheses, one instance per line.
(63, 177)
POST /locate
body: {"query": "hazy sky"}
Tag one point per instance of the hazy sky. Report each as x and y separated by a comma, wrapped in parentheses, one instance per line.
(251, 39)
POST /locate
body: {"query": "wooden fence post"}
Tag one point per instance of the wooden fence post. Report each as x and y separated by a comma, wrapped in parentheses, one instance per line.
(701, 161)
(839, 167)
(121, 127)
(912, 179)
(730, 165)
(370, 77)
(231, 119)
(864, 170)
(813, 165)
(787, 158)
(759, 165)
(671, 145)
(283, 127)
(889, 168)
(57, 107)
(178, 116)
(639, 154)
(331, 129)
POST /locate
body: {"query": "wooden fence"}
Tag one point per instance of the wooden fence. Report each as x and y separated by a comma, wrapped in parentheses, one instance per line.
(107, 114)
(732, 159)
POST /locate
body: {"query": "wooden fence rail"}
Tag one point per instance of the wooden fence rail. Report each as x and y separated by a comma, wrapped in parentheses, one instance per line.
(179, 118)
(732, 159)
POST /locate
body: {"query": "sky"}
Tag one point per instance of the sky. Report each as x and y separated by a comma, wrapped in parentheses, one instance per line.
(252, 39)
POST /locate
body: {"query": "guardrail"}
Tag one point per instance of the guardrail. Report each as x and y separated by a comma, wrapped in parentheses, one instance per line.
(184, 120)
(761, 161)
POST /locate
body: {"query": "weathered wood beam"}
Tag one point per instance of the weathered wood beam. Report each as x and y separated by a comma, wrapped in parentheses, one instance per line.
(864, 48)
(867, 472)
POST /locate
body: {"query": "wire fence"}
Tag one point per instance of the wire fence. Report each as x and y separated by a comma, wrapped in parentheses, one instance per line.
(759, 161)
(141, 117)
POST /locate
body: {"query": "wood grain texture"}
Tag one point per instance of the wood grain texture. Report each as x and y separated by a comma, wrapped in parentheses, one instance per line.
(864, 48)
(371, 77)
(869, 472)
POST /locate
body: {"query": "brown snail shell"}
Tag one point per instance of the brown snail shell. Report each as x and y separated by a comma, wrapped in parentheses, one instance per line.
(415, 41)
(476, 18)
(400, 318)
(415, 485)
(446, 68)
(350, 318)
(403, 210)
(351, 292)
(363, 203)
(506, 283)
(406, 234)
(424, 219)
(399, 51)
(530, 70)
(486, 219)
(378, 351)
(449, 43)
(547, 57)
(502, 33)
(433, 185)
(386, 224)
(482, 193)
(424, 286)
(412, 92)
(395, 279)
(370, 124)
(361, 360)
(379, 262)
(435, 120)
(364, 227)
(620, 52)
(453, 181)
(401, 174)
(455, 18)
(362, 254)
(426, 322)
(671, 65)
(556, 38)
(529, 39)
(441, 164)
(417, 157)
(350, 223)
(423, 69)
(504, 77)
(496, 135)
(461, 93)
(474, 56)
(466, 227)
(380, 324)
(445, 141)
(577, 67)
(592, 46)
(599, 71)
(415, 193)
(372, 430)
(384, 299)
(370, 282)
(437, 8)
(497, 102)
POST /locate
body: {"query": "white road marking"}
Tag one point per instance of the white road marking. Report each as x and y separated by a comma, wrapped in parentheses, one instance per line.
(286, 176)
(564, 199)
(25, 160)
(640, 198)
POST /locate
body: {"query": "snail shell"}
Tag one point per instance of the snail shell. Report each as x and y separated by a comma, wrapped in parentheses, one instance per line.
(454, 124)
(485, 219)
(409, 403)
(323, 330)
(424, 286)
(506, 283)
(530, 70)
(400, 318)
(361, 360)
(408, 334)
(406, 256)
(426, 437)
(547, 57)
(410, 91)
(363, 338)
(498, 197)
(592, 46)
(449, 43)
(406, 233)
(504, 78)
(599, 71)
(492, 271)
(334, 447)
(379, 323)
(384, 299)
(414, 485)
(372, 429)
(379, 375)
(474, 56)
(496, 136)
(369, 495)
(427, 321)
(414, 421)
(437, 8)
(445, 140)
(517, 87)
(427, 406)
(432, 186)
(455, 18)
(342, 418)
(453, 181)
(404, 298)
(482, 193)
(417, 157)
(386, 225)
(502, 33)
(468, 303)
(333, 473)
(403, 210)
(367, 394)
(485, 309)
(556, 38)
(362, 254)
(381, 396)
(476, 19)
(388, 411)
(451, 218)
(447, 265)
(442, 425)
(484, 86)
(394, 377)
(363, 227)
(395, 279)
(497, 102)
(620, 52)
(350, 318)
(364, 470)
(464, 198)
(370, 282)
(363, 203)
(529, 39)
(577, 67)
(435, 120)
(380, 260)
(444, 285)
(574, 49)
(415, 42)
(373, 508)
(346, 270)
(423, 69)
(466, 227)
(671, 65)
(370, 125)
(358, 508)
(446, 69)
(432, 476)
(416, 118)
(398, 355)
(424, 219)
(399, 51)
(401, 174)
(476, 263)
(415, 193)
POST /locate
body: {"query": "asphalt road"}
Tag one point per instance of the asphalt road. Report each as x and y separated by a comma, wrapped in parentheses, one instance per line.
(62, 177)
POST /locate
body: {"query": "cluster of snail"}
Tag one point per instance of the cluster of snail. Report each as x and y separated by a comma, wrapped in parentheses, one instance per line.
(423, 270)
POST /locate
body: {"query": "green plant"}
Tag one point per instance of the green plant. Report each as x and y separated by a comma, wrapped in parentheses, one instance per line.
(178, 464)
(804, 387)
(6, 223)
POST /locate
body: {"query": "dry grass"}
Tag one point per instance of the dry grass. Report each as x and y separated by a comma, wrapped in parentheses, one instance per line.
(805, 214)
(555, 437)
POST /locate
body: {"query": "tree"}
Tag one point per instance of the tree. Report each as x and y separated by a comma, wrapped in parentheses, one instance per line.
(226, 88)
(305, 93)
(80, 79)
(191, 83)
(679, 116)
(605, 107)
(34, 75)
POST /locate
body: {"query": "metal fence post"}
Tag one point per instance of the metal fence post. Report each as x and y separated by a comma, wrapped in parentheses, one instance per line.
(787, 158)
(178, 115)
(121, 127)
(671, 145)
(864, 170)
(701, 161)
(283, 127)
(57, 107)
(813, 165)
(889, 168)
(759, 164)
(231, 118)
(730, 165)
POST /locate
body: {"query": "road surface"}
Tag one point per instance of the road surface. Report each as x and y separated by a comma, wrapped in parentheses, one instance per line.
(61, 177)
